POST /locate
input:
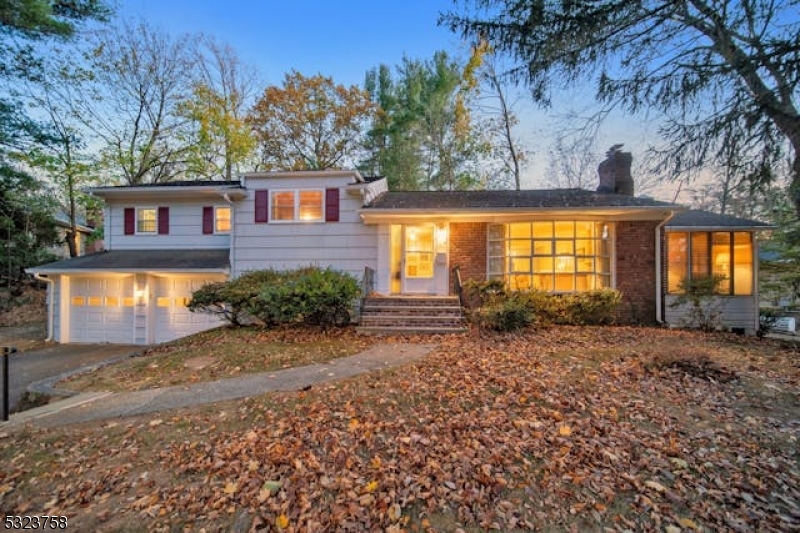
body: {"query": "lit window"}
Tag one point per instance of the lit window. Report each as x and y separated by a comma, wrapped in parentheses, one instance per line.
(698, 254)
(95, 301)
(291, 206)
(146, 220)
(222, 220)
(112, 301)
(163, 301)
(78, 301)
(552, 256)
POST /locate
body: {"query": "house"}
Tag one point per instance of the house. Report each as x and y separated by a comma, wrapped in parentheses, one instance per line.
(164, 241)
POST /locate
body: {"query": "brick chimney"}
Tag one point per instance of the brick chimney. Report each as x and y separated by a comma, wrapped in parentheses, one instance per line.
(615, 172)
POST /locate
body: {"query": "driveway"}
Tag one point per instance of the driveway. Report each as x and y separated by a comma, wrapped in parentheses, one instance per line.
(35, 365)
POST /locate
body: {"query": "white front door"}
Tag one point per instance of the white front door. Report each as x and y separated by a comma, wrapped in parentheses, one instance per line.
(419, 259)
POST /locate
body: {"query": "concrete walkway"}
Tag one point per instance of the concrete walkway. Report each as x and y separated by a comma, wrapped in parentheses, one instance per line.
(103, 405)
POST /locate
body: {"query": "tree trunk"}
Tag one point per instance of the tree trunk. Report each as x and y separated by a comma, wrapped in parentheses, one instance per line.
(71, 237)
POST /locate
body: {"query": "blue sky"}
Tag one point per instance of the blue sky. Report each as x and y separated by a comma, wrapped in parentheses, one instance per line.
(342, 39)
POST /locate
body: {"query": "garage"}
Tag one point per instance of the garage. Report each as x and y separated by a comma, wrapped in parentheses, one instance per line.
(101, 309)
(173, 319)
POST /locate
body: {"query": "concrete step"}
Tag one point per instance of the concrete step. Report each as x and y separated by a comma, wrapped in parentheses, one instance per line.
(386, 330)
(411, 321)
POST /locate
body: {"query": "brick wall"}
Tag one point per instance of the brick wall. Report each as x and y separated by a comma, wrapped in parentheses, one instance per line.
(636, 271)
(468, 249)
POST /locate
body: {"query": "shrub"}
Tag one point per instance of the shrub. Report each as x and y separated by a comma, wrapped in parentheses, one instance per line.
(510, 314)
(482, 293)
(502, 311)
(308, 295)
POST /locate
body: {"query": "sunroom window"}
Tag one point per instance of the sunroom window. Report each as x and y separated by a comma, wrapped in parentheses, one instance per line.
(692, 255)
(552, 256)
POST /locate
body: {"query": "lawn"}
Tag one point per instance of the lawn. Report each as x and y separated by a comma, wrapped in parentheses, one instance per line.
(219, 354)
(566, 429)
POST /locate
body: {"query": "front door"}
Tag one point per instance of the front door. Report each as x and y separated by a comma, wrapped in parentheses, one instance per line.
(419, 259)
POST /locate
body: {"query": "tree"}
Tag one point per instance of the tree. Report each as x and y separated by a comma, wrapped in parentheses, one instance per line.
(424, 135)
(140, 75)
(310, 123)
(721, 72)
(26, 216)
(222, 138)
(481, 70)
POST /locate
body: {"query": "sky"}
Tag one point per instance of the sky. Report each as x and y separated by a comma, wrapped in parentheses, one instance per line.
(345, 38)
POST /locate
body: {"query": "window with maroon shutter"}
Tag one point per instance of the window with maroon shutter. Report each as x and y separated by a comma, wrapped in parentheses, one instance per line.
(130, 221)
(331, 205)
(163, 220)
(262, 206)
(208, 220)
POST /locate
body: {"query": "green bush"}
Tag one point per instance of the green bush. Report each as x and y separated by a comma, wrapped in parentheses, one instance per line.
(503, 311)
(307, 295)
(700, 297)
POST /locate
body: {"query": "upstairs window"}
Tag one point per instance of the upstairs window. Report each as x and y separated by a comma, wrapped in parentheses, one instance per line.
(222, 220)
(728, 254)
(146, 218)
(296, 206)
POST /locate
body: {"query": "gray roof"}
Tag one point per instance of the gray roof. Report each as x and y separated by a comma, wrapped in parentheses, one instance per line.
(694, 218)
(185, 183)
(141, 261)
(542, 198)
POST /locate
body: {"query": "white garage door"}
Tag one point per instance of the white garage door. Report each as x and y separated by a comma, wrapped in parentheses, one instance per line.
(101, 310)
(173, 319)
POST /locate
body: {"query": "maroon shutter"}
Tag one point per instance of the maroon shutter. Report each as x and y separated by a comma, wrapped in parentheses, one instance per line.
(130, 221)
(208, 220)
(163, 220)
(331, 205)
(262, 206)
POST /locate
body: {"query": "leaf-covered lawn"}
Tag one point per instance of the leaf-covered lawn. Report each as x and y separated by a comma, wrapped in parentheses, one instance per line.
(222, 353)
(566, 429)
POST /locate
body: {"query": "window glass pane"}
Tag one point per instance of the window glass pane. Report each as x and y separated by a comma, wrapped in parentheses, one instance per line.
(585, 264)
(112, 301)
(542, 230)
(565, 229)
(565, 247)
(585, 229)
(721, 259)
(520, 282)
(602, 281)
(542, 264)
(283, 205)
(676, 261)
(565, 264)
(78, 301)
(584, 247)
(520, 230)
(565, 283)
(497, 231)
(543, 282)
(543, 247)
(311, 205)
(742, 263)
(95, 301)
(496, 248)
(163, 301)
(519, 247)
(583, 282)
(222, 223)
(497, 265)
(146, 221)
(520, 264)
(700, 255)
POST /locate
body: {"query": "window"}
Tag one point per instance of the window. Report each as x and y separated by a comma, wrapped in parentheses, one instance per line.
(146, 220)
(552, 256)
(702, 253)
(290, 206)
(222, 220)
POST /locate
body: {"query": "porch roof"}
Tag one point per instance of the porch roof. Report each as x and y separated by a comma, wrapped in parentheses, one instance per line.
(697, 220)
(177, 261)
(483, 204)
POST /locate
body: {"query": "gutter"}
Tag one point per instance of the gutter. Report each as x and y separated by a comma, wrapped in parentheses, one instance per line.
(51, 285)
(232, 235)
(659, 227)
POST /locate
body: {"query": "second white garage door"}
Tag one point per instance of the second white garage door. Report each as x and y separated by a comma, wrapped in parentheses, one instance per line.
(173, 319)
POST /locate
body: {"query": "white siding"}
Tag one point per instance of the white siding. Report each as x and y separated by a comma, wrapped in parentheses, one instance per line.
(185, 226)
(736, 312)
(346, 245)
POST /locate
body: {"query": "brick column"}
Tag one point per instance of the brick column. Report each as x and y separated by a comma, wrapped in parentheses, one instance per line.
(468, 249)
(636, 271)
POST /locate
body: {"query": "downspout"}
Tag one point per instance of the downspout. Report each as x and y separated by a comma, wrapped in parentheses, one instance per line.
(227, 198)
(51, 285)
(659, 227)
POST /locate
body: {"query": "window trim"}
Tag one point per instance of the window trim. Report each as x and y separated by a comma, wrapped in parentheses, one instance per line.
(611, 237)
(296, 214)
(136, 220)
